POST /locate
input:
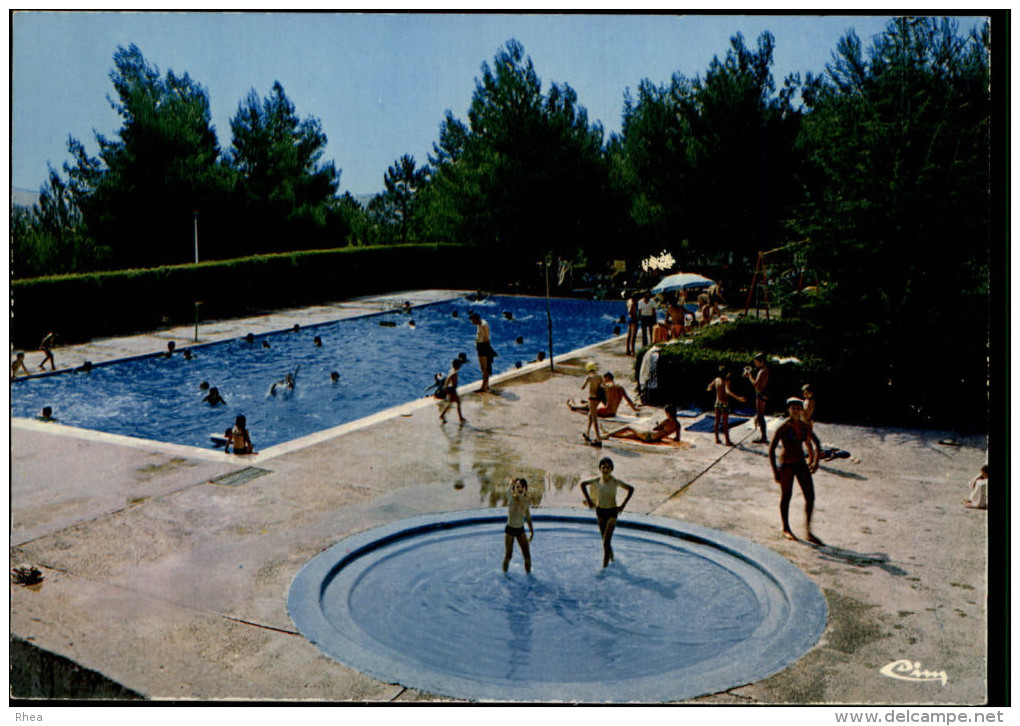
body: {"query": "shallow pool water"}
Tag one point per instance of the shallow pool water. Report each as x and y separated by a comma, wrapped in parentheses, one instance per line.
(383, 360)
(681, 612)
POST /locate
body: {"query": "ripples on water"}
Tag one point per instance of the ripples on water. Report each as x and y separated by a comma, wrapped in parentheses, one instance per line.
(380, 366)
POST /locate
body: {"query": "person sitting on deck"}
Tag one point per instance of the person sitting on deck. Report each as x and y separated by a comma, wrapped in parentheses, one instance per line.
(659, 432)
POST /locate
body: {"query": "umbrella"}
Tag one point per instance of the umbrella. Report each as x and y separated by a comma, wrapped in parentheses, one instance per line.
(682, 281)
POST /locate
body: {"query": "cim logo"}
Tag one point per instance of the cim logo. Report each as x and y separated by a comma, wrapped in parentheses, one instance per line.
(907, 670)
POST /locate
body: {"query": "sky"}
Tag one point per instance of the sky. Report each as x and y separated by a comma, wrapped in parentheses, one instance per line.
(379, 83)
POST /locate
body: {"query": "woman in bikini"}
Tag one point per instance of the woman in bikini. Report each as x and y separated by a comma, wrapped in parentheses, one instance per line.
(794, 435)
(662, 430)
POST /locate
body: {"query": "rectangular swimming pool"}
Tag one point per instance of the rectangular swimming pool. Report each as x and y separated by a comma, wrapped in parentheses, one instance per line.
(383, 360)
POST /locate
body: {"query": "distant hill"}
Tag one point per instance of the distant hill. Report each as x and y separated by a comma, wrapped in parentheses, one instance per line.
(23, 197)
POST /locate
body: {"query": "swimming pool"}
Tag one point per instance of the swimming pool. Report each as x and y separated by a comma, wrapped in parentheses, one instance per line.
(383, 360)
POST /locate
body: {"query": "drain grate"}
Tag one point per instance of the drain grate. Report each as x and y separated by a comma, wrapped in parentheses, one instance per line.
(237, 478)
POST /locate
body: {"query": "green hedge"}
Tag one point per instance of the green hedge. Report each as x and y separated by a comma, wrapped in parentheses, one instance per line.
(684, 372)
(86, 306)
(854, 388)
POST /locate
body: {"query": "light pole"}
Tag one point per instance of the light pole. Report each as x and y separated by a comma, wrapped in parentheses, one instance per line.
(548, 311)
(197, 303)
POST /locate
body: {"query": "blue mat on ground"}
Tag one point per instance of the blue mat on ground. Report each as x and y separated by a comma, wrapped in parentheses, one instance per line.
(707, 424)
(690, 412)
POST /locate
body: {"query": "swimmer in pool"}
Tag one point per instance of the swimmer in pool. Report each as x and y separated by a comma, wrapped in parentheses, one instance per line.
(214, 398)
(518, 511)
(285, 386)
(660, 432)
(47, 414)
(606, 511)
(239, 438)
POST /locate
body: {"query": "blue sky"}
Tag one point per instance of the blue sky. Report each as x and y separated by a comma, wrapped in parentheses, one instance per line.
(379, 83)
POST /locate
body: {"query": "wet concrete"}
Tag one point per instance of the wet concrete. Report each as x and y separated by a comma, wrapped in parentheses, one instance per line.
(173, 584)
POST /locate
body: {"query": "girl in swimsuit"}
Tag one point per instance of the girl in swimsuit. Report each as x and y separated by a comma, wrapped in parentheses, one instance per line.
(239, 438)
(794, 435)
(593, 381)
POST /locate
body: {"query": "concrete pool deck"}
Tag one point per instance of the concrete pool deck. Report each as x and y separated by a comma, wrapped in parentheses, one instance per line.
(170, 577)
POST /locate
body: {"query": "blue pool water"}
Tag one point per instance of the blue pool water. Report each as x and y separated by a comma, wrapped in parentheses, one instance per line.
(380, 366)
(682, 611)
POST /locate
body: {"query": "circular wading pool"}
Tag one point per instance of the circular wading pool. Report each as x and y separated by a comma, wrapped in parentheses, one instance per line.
(682, 612)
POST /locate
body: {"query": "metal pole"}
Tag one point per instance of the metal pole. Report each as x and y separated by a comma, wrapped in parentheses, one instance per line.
(196, 236)
(196, 320)
(548, 313)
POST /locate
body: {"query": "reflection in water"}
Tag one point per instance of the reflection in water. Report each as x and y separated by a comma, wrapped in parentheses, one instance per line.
(520, 608)
(542, 484)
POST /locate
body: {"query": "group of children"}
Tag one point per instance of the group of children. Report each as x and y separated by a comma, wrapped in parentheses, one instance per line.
(18, 366)
(607, 511)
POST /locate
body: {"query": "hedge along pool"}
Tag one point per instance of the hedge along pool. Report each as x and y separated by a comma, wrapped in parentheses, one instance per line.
(383, 361)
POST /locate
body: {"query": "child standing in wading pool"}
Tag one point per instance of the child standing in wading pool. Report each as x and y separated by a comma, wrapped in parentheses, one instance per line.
(518, 511)
(606, 511)
(721, 384)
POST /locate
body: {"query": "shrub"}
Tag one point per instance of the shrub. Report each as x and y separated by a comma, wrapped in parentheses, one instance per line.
(854, 386)
(84, 306)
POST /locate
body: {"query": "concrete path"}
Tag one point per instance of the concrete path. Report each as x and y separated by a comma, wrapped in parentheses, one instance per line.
(172, 580)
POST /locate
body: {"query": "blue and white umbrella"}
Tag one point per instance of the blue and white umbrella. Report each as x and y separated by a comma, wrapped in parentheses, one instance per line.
(682, 281)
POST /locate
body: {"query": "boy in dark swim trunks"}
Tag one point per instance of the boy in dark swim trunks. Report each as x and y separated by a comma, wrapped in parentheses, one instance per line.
(794, 435)
(721, 384)
(518, 511)
(483, 347)
(450, 389)
(606, 511)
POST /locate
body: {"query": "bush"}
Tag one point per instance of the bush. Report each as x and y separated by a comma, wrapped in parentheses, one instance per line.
(856, 385)
(85, 306)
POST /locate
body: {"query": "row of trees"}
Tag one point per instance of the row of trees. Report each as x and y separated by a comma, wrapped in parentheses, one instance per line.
(878, 161)
(134, 204)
